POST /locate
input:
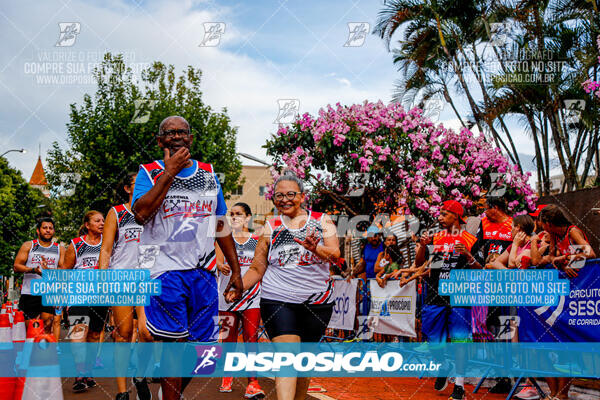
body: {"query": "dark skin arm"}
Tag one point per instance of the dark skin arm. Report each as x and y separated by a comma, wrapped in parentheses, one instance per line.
(145, 207)
(424, 241)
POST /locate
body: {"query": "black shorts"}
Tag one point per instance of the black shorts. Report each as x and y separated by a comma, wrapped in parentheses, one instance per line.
(97, 316)
(309, 321)
(32, 306)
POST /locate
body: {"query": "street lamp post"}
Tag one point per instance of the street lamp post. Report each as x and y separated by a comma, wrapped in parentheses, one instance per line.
(251, 157)
(8, 151)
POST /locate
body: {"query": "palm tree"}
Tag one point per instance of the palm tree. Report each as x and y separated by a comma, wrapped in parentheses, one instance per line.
(443, 47)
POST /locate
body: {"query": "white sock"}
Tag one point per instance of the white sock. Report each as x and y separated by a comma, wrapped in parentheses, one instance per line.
(460, 381)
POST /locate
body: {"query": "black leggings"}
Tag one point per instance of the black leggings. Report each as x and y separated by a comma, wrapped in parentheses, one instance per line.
(309, 321)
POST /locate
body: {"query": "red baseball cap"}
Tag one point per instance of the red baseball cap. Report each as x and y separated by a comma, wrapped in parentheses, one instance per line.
(454, 207)
(539, 208)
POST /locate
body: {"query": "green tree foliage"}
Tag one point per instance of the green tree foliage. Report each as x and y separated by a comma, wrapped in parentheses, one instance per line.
(108, 136)
(18, 202)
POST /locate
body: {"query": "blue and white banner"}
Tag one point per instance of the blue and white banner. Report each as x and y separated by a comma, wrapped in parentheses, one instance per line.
(393, 308)
(344, 309)
(576, 318)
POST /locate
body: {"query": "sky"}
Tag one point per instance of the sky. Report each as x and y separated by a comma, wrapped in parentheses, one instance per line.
(269, 51)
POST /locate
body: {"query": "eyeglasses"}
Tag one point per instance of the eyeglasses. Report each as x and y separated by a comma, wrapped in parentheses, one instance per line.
(174, 132)
(278, 196)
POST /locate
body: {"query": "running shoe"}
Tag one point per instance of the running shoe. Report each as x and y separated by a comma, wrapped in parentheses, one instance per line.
(458, 393)
(226, 385)
(142, 389)
(79, 385)
(122, 396)
(441, 383)
(90, 382)
(527, 393)
(253, 391)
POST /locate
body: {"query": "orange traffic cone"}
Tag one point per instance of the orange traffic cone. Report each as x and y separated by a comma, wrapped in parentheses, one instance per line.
(10, 311)
(5, 332)
(35, 327)
(19, 332)
(19, 336)
(7, 384)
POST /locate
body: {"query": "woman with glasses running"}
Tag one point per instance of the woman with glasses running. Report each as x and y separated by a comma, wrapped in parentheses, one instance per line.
(292, 258)
(85, 322)
(247, 308)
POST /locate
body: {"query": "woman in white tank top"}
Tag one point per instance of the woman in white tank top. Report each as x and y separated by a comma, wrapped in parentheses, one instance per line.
(292, 258)
(85, 322)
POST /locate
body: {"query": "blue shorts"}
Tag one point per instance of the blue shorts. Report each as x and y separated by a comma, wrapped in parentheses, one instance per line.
(187, 308)
(439, 322)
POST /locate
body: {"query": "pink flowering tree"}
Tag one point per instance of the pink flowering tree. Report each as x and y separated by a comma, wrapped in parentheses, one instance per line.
(408, 162)
(591, 86)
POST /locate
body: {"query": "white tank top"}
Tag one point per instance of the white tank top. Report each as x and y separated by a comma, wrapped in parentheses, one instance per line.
(181, 234)
(86, 255)
(34, 260)
(251, 297)
(295, 274)
(125, 248)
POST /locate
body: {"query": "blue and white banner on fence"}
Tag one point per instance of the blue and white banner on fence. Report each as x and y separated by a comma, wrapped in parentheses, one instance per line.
(344, 309)
(576, 318)
(393, 308)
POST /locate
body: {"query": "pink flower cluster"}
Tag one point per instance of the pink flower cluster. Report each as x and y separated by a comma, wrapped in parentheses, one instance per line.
(402, 149)
(589, 85)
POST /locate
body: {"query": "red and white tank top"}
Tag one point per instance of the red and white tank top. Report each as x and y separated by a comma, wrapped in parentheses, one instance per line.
(86, 255)
(34, 260)
(181, 234)
(125, 247)
(251, 297)
(565, 246)
(295, 274)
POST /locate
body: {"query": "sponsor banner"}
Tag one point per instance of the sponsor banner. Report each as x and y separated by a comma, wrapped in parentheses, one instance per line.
(393, 308)
(576, 317)
(95, 287)
(344, 308)
(326, 359)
